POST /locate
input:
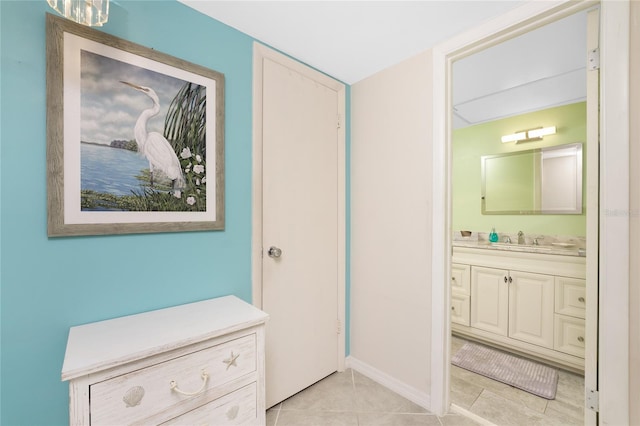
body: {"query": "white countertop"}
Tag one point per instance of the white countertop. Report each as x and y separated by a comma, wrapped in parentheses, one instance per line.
(557, 249)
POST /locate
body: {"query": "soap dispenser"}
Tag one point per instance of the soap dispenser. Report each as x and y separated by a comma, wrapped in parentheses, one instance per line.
(493, 237)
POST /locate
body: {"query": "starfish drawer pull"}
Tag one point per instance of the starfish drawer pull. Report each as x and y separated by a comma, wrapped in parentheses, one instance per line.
(231, 360)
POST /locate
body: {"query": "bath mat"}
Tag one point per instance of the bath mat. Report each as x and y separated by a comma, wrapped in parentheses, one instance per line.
(521, 373)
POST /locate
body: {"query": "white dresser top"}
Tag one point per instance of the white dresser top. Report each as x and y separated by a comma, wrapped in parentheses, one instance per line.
(105, 344)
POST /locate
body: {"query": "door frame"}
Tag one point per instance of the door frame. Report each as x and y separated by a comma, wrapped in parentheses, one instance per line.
(613, 346)
(260, 53)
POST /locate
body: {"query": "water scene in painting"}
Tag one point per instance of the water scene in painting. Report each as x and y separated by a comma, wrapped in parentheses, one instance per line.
(124, 167)
(143, 139)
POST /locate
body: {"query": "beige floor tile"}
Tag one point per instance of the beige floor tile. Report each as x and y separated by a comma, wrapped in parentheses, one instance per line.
(457, 420)
(565, 409)
(464, 393)
(504, 412)
(569, 398)
(373, 397)
(316, 418)
(334, 393)
(397, 419)
(561, 419)
(272, 415)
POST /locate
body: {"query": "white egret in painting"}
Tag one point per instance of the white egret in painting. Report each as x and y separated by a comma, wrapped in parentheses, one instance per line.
(154, 146)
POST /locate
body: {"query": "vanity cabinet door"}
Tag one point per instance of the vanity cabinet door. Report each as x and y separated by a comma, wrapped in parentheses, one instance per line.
(531, 308)
(489, 299)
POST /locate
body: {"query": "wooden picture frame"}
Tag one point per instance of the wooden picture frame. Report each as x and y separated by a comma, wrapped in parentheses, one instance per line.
(110, 166)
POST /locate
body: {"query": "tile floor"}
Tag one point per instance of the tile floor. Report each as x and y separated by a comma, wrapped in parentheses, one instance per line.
(351, 399)
(504, 405)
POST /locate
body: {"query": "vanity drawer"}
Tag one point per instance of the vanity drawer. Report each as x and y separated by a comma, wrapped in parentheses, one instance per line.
(460, 308)
(569, 335)
(460, 278)
(139, 394)
(570, 297)
(236, 408)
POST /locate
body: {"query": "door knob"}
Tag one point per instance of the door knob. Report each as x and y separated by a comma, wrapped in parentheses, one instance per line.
(274, 252)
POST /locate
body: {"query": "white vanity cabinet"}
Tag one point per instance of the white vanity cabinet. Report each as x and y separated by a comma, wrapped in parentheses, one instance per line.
(529, 303)
(200, 363)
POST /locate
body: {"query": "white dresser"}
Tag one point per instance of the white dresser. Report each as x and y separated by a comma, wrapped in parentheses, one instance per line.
(200, 363)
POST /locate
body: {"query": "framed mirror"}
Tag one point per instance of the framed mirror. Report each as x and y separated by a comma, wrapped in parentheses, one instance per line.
(537, 181)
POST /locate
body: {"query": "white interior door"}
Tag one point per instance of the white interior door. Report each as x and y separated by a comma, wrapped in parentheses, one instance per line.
(301, 226)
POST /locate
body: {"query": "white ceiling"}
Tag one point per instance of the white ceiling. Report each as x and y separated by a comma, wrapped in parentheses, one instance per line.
(351, 40)
(540, 69)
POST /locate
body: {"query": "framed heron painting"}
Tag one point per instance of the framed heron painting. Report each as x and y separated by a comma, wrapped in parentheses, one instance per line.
(135, 137)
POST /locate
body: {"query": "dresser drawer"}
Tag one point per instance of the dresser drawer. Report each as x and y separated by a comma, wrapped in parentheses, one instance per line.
(570, 296)
(569, 335)
(236, 408)
(137, 395)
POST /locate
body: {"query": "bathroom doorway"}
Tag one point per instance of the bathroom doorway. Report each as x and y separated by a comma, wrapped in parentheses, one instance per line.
(501, 89)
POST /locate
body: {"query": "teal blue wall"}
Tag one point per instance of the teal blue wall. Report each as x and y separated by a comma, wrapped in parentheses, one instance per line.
(48, 285)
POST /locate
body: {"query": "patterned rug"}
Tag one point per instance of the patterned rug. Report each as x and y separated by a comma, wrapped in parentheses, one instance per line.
(521, 373)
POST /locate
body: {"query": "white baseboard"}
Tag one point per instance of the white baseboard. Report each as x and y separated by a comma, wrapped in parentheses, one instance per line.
(412, 394)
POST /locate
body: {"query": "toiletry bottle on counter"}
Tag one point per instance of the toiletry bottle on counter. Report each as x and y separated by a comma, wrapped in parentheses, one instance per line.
(493, 237)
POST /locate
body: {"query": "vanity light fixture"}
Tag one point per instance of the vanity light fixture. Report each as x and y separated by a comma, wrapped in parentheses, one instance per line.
(529, 135)
(92, 13)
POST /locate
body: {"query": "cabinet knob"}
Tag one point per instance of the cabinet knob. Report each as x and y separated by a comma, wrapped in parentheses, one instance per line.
(505, 278)
(581, 299)
(580, 339)
(453, 308)
(453, 278)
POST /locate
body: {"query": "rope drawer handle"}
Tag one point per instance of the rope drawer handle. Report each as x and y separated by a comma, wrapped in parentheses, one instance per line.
(205, 378)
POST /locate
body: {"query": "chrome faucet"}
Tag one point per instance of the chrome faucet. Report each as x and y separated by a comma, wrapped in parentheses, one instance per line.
(520, 237)
(507, 240)
(536, 242)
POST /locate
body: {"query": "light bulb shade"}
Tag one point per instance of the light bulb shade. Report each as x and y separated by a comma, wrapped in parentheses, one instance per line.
(515, 137)
(92, 13)
(544, 131)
